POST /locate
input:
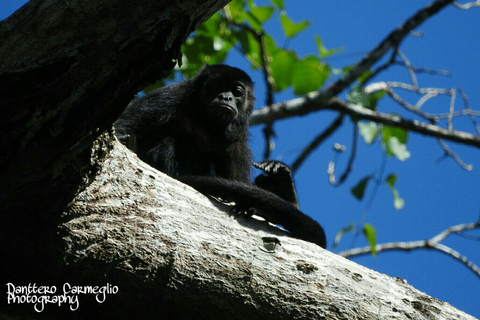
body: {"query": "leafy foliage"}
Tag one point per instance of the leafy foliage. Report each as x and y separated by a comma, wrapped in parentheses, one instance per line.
(370, 234)
(241, 25)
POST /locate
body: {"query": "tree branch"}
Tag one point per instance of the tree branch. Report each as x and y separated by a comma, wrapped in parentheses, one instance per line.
(298, 105)
(432, 243)
(391, 42)
(321, 100)
(314, 144)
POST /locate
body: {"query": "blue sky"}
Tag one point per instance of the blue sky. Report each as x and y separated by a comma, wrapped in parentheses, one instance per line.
(437, 194)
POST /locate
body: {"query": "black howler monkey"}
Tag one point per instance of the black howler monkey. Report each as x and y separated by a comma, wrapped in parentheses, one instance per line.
(197, 132)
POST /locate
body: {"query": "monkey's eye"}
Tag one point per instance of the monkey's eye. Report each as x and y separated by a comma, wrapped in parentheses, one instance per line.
(238, 91)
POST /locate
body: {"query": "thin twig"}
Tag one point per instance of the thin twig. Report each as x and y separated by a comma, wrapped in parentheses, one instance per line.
(349, 168)
(467, 5)
(450, 153)
(413, 76)
(315, 142)
(426, 70)
(471, 113)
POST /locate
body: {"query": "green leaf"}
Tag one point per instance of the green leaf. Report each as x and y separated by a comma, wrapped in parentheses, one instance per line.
(309, 75)
(210, 27)
(358, 96)
(368, 131)
(290, 28)
(359, 190)
(322, 51)
(398, 149)
(262, 14)
(400, 134)
(340, 234)
(234, 10)
(398, 202)
(249, 45)
(258, 15)
(278, 3)
(282, 68)
(395, 140)
(365, 75)
(369, 233)
(200, 49)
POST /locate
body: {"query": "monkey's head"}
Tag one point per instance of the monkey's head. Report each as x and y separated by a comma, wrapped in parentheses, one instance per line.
(226, 94)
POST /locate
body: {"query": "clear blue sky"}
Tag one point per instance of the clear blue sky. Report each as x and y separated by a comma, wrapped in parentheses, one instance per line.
(437, 195)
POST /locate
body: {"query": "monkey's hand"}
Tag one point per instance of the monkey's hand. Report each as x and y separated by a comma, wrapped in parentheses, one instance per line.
(273, 168)
(277, 178)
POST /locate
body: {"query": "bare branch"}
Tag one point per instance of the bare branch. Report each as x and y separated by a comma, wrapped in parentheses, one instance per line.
(349, 168)
(391, 41)
(319, 139)
(470, 112)
(432, 243)
(406, 105)
(299, 105)
(450, 153)
(413, 76)
(467, 5)
(321, 100)
(383, 67)
(426, 70)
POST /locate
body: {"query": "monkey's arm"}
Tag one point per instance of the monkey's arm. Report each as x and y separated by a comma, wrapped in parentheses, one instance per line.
(277, 178)
(271, 207)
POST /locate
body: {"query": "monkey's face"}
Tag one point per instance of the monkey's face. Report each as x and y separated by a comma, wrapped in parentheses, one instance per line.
(226, 100)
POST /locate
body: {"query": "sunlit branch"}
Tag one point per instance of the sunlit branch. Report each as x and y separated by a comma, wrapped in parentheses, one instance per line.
(430, 244)
(471, 113)
(297, 107)
(349, 168)
(454, 156)
(467, 5)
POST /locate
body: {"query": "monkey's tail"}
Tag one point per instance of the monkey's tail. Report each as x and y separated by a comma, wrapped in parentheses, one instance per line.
(273, 208)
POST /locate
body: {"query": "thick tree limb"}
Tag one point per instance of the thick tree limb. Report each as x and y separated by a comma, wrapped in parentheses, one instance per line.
(140, 223)
(67, 71)
(299, 105)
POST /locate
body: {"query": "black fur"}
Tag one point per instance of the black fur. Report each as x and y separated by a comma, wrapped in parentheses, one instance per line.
(174, 129)
(268, 205)
(277, 178)
(197, 131)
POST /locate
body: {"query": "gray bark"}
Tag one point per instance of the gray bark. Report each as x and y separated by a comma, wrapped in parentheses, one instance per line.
(139, 221)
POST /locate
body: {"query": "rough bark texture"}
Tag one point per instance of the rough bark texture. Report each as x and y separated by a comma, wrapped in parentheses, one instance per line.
(137, 222)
